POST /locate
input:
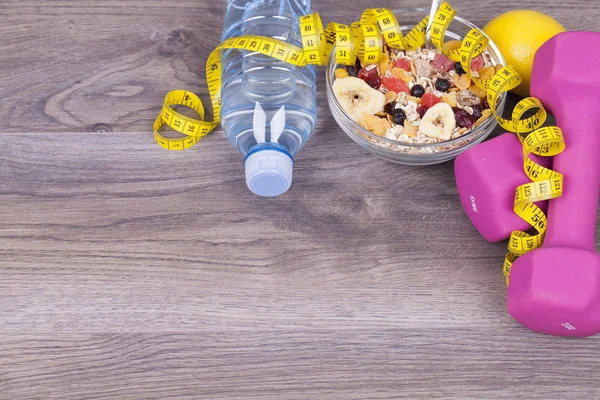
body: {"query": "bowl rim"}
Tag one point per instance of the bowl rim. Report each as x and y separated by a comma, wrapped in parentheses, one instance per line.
(468, 137)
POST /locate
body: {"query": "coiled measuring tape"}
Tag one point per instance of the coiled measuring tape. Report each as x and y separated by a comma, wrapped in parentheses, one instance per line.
(363, 40)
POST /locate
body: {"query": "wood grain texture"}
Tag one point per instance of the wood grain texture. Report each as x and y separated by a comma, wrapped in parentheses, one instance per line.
(129, 272)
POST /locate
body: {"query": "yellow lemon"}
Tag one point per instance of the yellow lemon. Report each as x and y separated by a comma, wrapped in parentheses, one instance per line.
(519, 34)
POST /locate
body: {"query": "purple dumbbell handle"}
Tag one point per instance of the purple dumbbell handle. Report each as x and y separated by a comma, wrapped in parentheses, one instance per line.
(572, 217)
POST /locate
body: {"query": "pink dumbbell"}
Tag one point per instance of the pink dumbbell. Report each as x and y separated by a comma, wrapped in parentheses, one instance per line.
(556, 288)
(486, 178)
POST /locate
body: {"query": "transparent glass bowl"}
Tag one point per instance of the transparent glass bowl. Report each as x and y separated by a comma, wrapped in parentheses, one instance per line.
(408, 153)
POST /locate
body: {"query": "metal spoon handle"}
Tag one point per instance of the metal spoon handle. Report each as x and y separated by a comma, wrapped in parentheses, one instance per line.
(435, 5)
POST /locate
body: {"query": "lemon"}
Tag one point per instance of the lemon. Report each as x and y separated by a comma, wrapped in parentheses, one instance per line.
(519, 34)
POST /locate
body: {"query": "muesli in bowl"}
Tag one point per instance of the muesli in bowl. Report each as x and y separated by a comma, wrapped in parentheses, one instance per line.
(417, 103)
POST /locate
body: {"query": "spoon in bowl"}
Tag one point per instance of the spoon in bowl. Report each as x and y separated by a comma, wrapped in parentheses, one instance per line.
(435, 5)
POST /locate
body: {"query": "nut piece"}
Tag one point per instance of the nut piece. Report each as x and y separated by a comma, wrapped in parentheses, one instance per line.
(437, 74)
(423, 68)
(466, 98)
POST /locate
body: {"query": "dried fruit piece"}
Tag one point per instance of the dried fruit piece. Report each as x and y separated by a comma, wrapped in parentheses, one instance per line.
(384, 64)
(487, 73)
(430, 99)
(450, 98)
(438, 122)
(417, 91)
(390, 97)
(413, 99)
(484, 116)
(389, 108)
(459, 69)
(402, 63)
(443, 63)
(353, 69)
(370, 75)
(378, 126)
(442, 84)
(401, 74)
(463, 118)
(410, 130)
(451, 45)
(477, 63)
(462, 82)
(477, 111)
(389, 119)
(421, 110)
(341, 73)
(357, 97)
(395, 85)
(485, 104)
(399, 116)
(482, 94)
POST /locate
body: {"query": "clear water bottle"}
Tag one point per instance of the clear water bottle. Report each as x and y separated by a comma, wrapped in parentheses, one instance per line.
(268, 107)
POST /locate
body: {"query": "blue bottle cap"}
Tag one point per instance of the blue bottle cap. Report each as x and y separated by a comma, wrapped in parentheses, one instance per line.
(269, 172)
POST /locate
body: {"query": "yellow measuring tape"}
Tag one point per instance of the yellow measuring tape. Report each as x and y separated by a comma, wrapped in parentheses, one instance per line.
(363, 40)
(194, 129)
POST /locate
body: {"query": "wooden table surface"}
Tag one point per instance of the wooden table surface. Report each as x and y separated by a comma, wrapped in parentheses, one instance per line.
(130, 272)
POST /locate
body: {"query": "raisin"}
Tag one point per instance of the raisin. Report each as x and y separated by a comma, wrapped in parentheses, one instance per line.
(352, 71)
(463, 118)
(485, 104)
(422, 110)
(389, 108)
(477, 111)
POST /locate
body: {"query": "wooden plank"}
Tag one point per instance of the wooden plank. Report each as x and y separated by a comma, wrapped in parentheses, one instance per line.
(299, 364)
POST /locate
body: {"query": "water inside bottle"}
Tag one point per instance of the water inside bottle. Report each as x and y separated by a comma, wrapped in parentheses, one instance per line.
(250, 77)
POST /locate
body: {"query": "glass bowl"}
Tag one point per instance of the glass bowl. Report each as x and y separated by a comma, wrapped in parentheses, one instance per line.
(409, 153)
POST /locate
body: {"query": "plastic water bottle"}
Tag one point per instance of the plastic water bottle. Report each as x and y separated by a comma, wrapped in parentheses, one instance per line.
(268, 107)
